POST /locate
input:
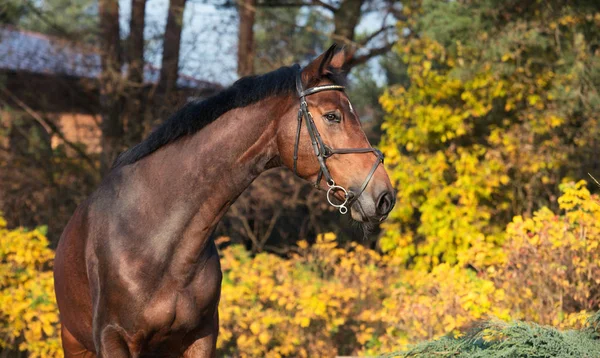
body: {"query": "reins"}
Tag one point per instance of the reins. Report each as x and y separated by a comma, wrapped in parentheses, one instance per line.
(322, 151)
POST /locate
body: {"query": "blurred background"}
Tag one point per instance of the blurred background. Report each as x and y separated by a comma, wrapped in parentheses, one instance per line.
(488, 113)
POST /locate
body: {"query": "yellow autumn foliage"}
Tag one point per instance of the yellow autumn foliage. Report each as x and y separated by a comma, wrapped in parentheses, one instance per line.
(28, 312)
(498, 106)
(309, 305)
(551, 270)
(328, 300)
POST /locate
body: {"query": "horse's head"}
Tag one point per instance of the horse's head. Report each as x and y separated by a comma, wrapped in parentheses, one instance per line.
(329, 146)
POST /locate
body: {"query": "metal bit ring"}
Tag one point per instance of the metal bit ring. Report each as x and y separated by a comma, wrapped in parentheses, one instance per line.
(342, 207)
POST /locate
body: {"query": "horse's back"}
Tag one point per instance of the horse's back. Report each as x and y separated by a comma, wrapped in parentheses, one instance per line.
(71, 280)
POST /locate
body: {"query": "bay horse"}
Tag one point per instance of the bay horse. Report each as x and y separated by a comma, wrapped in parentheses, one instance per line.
(136, 273)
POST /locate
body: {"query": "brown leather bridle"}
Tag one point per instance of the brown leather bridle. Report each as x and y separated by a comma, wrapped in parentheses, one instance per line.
(322, 151)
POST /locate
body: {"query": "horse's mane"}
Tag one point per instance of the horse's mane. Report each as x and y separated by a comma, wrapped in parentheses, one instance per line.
(196, 115)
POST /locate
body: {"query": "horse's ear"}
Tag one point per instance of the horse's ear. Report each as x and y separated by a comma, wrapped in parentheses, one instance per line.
(312, 73)
(340, 58)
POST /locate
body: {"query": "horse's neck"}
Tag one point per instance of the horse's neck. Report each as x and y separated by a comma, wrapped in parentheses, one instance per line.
(192, 182)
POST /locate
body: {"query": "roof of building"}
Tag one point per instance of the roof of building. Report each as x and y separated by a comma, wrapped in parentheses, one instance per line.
(43, 54)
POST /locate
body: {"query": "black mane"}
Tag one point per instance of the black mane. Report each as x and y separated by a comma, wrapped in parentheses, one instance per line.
(194, 116)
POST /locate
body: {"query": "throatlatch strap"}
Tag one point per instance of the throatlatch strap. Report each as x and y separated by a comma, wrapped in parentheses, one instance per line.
(297, 142)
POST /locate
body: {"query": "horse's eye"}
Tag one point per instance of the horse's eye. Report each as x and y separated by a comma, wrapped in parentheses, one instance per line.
(332, 117)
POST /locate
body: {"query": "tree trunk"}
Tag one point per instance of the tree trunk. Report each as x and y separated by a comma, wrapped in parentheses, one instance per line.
(345, 19)
(247, 10)
(110, 82)
(135, 77)
(172, 40)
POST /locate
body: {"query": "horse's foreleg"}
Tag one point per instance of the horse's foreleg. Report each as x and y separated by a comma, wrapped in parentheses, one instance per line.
(71, 346)
(113, 344)
(205, 346)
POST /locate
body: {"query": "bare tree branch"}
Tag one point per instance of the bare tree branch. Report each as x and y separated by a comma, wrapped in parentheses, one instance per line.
(282, 250)
(267, 233)
(45, 19)
(359, 60)
(246, 224)
(278, 3)
(376, 33)
(325, 5)
(49, 127)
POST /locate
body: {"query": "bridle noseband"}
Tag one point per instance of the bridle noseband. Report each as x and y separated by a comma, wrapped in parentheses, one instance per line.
(322, 151)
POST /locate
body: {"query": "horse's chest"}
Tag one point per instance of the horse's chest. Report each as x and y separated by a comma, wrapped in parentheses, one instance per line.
(177, 310)
(168, 318)
(174, 312)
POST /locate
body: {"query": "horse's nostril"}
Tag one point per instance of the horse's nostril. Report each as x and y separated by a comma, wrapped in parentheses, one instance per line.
(385, 203)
